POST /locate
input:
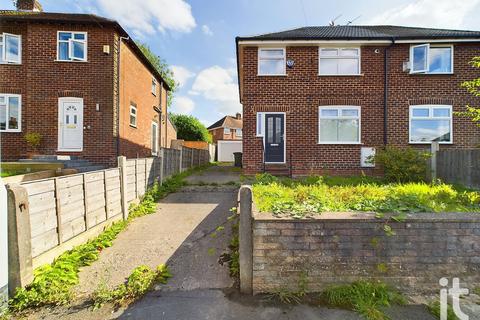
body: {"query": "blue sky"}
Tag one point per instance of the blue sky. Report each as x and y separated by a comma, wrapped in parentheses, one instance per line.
(197, 37)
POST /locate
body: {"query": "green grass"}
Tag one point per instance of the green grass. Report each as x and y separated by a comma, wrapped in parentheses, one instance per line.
(316, 194)
(53, 283)
(366, 298)
(434, 309)
(6, 173)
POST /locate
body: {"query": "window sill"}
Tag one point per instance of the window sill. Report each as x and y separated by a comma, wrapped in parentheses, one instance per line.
(272, 75)
(153, 94)
(76, 61)
(340, 143)
(342, 75)
(428, 143)
(432, 74)
(11, 131)
(132, 126)
(10, 63)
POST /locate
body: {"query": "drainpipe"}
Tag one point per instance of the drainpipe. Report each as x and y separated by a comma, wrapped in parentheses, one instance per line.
(385, 93)
(118, 92)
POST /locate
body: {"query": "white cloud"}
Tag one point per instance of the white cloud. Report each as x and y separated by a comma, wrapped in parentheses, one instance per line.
(183, 105)
(219, 84)
(147, 16)
(181, 74)
(428, 13)
(206, 30)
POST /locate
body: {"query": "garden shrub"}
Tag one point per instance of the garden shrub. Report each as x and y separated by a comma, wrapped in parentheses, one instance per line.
(402, 165)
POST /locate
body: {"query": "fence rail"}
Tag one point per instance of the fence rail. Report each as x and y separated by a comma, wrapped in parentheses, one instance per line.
(65, 211)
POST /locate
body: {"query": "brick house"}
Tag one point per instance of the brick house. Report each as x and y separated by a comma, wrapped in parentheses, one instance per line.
(322, 99)
(227, 128)
(82, 83)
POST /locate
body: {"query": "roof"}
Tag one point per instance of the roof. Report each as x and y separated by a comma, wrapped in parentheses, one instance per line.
(357, 32)
(56, 17)
(227, 122)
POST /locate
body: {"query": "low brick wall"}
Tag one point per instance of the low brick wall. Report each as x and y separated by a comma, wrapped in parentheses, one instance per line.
(343, 247)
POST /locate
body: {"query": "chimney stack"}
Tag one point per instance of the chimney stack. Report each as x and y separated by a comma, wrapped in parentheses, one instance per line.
(239, 116)
(29, 5)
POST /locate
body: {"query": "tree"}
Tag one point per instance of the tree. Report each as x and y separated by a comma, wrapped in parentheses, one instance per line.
(473, 87)
(162, 67)
(190, 128)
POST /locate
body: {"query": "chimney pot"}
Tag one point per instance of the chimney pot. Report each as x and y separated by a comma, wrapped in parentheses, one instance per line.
(239, 116)
(29, 5)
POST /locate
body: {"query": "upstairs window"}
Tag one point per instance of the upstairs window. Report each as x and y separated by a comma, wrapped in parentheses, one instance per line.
(430, 123)
(239, 132)
(339, 125)
(339, 61)
(226, 130)
(271, 62)
(10, 48)
(154, 86)
(431, 59)
(133, 116)
(10, 112)
(72, 46)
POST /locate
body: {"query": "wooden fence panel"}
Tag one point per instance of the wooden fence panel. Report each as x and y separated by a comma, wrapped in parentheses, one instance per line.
(140, 177)
(459, 166)
(113, 195)
(150, 171)
(95, 202)
(71, 211)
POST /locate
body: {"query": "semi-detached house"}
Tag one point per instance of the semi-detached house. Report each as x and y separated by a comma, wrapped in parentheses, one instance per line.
(82, 83)
(320, 100)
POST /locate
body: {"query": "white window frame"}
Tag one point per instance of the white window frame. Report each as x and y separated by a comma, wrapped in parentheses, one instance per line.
(237, 131)
(284, 58)
(430, 117)
(428, 46)
(338, 57)
(132, 107)
(154, 147)
(7, 97)
(3, 52)
(340, 117)
(260, 130)
(225, 130)
(154, 86)
(70, 46)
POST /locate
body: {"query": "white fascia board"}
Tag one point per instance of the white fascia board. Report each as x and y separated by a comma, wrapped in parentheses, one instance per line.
(310, 42)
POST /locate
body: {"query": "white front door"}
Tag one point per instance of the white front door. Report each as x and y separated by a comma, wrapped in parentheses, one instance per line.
(70, 124)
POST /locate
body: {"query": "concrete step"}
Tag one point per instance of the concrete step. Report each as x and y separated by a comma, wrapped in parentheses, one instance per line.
(90, 168)
(55, 157)
(277, 169)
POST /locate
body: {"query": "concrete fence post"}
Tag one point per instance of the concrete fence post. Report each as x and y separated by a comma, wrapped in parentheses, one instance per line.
(162, 156)
(181, 156)
(122, 164)
(192, 152)
(245, 239)
(20, 270)
(435, 147)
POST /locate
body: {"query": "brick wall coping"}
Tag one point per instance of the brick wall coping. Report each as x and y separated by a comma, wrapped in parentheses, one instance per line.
(370, 217)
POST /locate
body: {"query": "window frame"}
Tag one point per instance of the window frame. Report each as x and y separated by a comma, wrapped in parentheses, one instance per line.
(237, 131)
(154, 86)
(3, 52)
(340, 117)
(359, 57)
(154, 150)
(7, 96)
(429, 45)
(430, 117)
(225, 129)
(70, 46)
(133, 107)
(260, 118)
(259, 57)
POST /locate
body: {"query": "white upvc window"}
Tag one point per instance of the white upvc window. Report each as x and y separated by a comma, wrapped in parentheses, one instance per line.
(133, 116)
(154, 138)
(10, 48)
(271, 62)
(431, 123)
(431, 59)
(226, 130)
(71, 46)
(260, 124)
(339, 61)
(239, 132)
(339, 125)
(154, 86)
(10, 113)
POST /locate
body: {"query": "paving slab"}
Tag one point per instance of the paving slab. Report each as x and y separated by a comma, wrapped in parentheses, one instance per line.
(216, 175)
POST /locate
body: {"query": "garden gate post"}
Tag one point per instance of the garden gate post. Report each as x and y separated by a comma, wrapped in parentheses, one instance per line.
(122, 164)
(433, 166)
(245, 239)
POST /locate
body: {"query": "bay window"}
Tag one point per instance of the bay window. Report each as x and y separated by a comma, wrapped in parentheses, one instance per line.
(430, 123)
(271, 61)
(10, 48)
(431, 59)
(10, 112)
(339, 61)
(71, 46)
(339, 125)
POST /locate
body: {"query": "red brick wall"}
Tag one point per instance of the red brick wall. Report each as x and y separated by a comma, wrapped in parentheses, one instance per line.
(302, 91)
(41, 81)
(219, 134)
(135, 86)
